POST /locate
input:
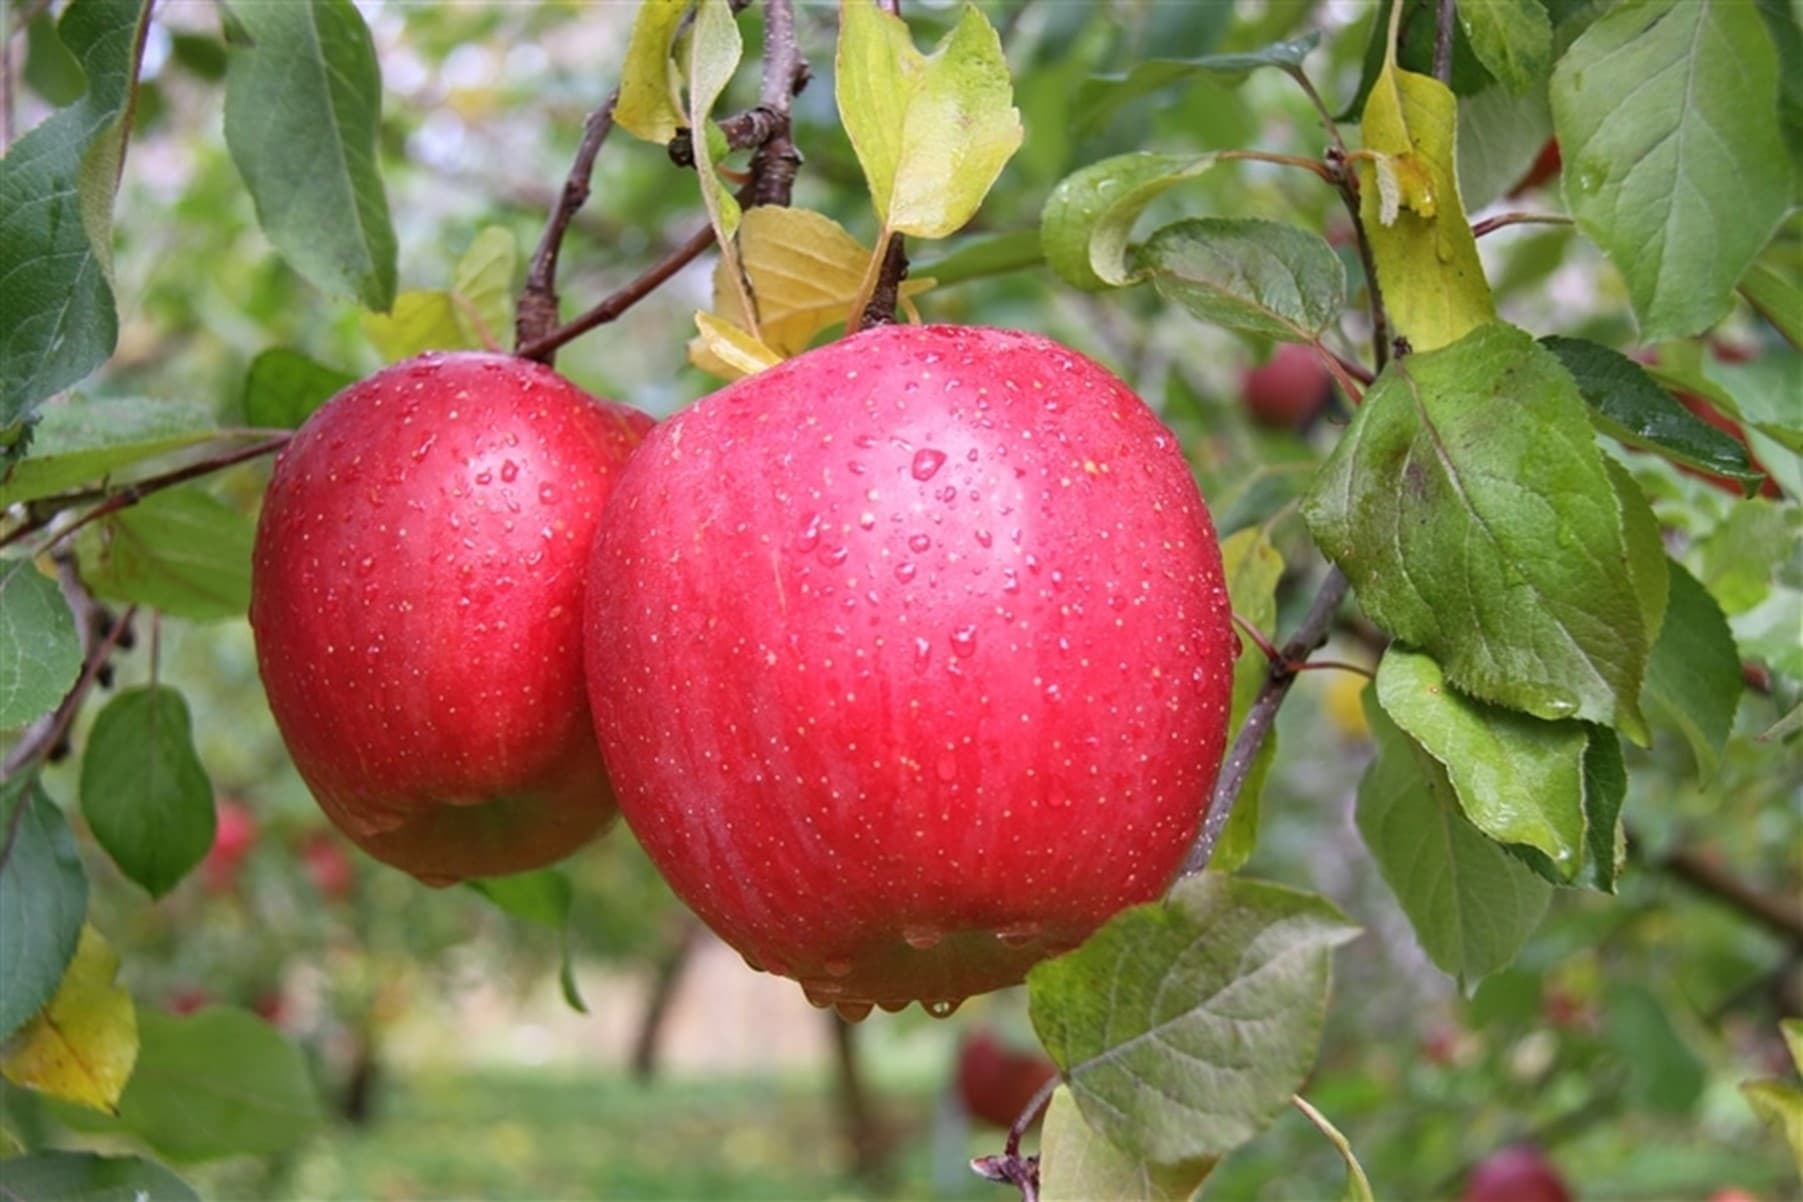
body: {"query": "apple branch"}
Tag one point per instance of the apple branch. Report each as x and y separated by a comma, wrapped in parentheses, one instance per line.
(1443, 20)
(44, 737)
(1490, 225)
(536, 313)
(1279, 676)
(1778, 914)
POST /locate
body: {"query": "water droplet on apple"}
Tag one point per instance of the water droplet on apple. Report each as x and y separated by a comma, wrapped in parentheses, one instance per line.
(485, 477)
(904, 571)
(1019, 934)
(923, 654)
(926, 462)
(510, 471)
(810, 534)
(919, 543)
(964, 642)
(984, 538)
(893, 1005)
(547, 493)
(838, 966)
(920, 938)
(853, 1012)
(867, 520)
(943, 1007)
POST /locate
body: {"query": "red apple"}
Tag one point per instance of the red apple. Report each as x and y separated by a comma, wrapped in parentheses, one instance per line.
(910, 659)
(1515, 1174)
(328, 867)
(234, 834)
(188, 999)
(996, 1082)
(1289, 390)
(417, 598)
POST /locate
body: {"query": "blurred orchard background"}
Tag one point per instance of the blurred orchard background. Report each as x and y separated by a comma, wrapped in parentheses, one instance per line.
(438, 1028)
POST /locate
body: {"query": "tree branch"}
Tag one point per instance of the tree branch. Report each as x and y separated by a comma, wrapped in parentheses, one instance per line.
(1443, 20)
(536, 313)
(879, 310)
(1237, 767)
(776, 160)
(42, 737)
(1491, 224)
(1781, 915)
(621, 299)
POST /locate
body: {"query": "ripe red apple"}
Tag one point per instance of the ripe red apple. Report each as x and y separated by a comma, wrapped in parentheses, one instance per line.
(996, 1082)
(324, 860)
(1515, 1174)
(234, 834)
(417, 598)
(1289, 390)
(910, 659)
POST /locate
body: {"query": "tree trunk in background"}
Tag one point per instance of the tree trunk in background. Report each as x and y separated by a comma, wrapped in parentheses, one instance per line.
(657, 1006)
(864, 1136)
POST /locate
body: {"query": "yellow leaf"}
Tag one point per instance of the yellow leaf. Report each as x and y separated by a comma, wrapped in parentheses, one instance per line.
(876, 72)
(723, 349)
(1427, 263)
(482, 292)
(419, 321)
(647, 106)
(81, 1047)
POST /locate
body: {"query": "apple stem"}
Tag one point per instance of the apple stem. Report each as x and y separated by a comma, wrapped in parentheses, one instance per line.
(1443, 20)
(1491, 224)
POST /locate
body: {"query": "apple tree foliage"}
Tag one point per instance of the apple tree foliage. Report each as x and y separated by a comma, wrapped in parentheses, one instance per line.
(1586, 657)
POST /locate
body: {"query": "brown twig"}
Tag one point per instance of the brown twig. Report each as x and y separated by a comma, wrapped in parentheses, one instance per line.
(880, 309)
(1781, 915)
(1443, 20)
(1237, 767)
(42, 737)
(1316, 166)
(1314, 97)
(1347, 178)
(536, 313)
(1491, 224)
(753, 127)
(776, 160)
(623, 298)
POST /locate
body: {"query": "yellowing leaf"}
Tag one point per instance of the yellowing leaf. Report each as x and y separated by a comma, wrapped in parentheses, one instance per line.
(419, 321)
(723, 349)
(804, 269)
(647, 106)
(81, 1047)
(931, 132)
(482, 292)
(714, 52)
(1427, 264)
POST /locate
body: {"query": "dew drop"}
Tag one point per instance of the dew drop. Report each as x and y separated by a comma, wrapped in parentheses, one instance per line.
(810, 534)
(923, 654)
(985, 538)
(943, 1007)
(926, 462)
(547, 493)
(964, 642)
(919, 543)
(838, 966)
(920, 938)
(510, 471)
(904, 571)
(853, 1012)
(1019, 934)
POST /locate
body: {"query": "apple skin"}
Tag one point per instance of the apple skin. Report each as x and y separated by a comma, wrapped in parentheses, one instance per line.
(1289, 390)
(996, 1082)
(910, 659)
(1515, 1174)
(417, 604)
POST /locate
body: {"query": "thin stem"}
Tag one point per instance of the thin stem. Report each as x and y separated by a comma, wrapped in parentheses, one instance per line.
(1491, 224)
(42, 737)
(1380, 322)
(1443, 42)
(623, 298)
(1029, 1115)
(537, 310)
(1288, 160)
(1781, 915)
(891, 263)
(1327, 122)
(1337, 665)
(1237, 768)
(1271, 653)
(1349, 375)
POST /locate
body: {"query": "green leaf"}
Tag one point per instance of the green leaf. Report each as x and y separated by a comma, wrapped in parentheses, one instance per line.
(1627, 404)
(420, 321)
(1664, 1075)
(1784, 727)
(284, 387)
(483, 288)
(1512, 38)
(219, 1082)
(1101, 96)
(1500, 135)
(1078, 1165)
(83, 1044)
(1777, 298)
(1735, 560)
(87, 1177)
(1253, 568)
(50, 70)
(544, 898)
(1258, 277)
(1646, 557)
(1472, 904)
(932, 132)
(143, 789)
(40, 650)
(303, 108)
(57, 316)
(1781, 1104)
(1358, 1186)
(43, 900)
(983, 256)
(1518, 779)
(1427, 264)
(1182, 1027)
(1470, 506)
(1764, 394)
(648, 80)
(1667, 114)
(714, 52)
(1089, 216)
(1605, 788)
(180, 551)
(85, 440)
(1693, 679)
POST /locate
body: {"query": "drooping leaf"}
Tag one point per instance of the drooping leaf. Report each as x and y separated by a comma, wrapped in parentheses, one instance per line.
(1414, 51)
(1518, 779)
(932, 132)
(1512, 38)
(43, 900)
(1224, 981)
(143, 790)
(57, 317)
(303, 108)
(419, 321)
(543, 898)
(284, 387)
(1427, 264)
(1470, 506)
(219, 1082)
(1472, 904)
(180, 550)
(1078, 1165)
(482, 289)
(1358, 1186)
(83, 440)
(90, 1177)
(40, 650)
(1694, 680)
(1088, 218)
(1605, 788)
(1257, 277)
(1101, 96)
(647, 107)
(1626, 403)
(725, 350)
(1667, 115)
(82, 1045)
(715, 48)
